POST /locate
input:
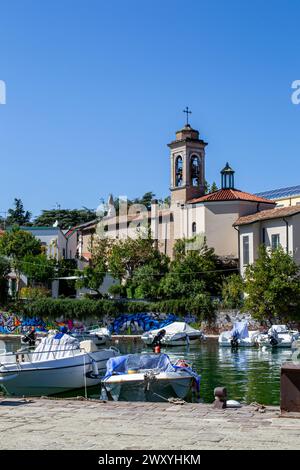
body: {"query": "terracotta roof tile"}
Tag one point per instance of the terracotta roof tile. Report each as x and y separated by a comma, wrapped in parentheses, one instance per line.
(230, 195)
(268, 214)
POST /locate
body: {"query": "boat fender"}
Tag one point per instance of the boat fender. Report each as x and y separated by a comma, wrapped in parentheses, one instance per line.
(94, 373)
(233, 404)
(95, 368)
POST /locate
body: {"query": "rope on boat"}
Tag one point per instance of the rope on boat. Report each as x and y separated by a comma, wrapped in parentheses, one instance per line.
(84, 375)
(174, 401)
(259, 407)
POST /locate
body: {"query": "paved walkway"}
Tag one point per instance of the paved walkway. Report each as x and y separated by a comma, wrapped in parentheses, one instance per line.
(76, 424)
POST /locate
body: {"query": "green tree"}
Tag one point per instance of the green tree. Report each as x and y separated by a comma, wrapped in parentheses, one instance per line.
(66, 218)
(213, 187)
(92, 276)
(272, 285)
(206, 187)
(16, 244)
(147, 278)
(191, 272)
(4, 271)
(232, 291)
(129, 254)
(210, 188)
(145, 200)
(18, 215)
(66, 267)
(37, 268)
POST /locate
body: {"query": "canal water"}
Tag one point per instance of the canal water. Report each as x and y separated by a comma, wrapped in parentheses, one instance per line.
(249, 374)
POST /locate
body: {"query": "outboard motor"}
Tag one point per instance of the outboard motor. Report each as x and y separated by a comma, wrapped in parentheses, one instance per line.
(29, 339)
(273, 338)
(234, 342)
(157, 339)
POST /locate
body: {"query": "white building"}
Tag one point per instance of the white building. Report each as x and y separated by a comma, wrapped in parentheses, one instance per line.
(58, 244)
(272, 228)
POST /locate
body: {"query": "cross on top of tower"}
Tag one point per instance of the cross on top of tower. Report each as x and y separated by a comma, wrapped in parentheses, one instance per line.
(187, 111)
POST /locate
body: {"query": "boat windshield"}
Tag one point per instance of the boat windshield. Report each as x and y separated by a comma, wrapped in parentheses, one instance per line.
(138, 362)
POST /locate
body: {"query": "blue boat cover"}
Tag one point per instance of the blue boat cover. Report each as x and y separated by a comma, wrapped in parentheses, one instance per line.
(158, 362)
(240, 330)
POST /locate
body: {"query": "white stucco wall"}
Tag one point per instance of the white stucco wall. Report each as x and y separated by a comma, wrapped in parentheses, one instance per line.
(219, 220)
(289, 238)
(54, 241)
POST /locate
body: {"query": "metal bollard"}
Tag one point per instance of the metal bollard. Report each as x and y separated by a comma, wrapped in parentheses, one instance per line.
(220, 394)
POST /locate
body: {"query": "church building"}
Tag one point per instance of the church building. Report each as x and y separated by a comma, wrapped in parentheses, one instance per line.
(212, 215)
(191, 212)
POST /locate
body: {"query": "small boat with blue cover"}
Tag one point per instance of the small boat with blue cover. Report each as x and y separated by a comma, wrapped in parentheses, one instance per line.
(148, 377)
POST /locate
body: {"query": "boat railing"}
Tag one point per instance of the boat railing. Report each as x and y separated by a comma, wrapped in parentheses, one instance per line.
(19, 357)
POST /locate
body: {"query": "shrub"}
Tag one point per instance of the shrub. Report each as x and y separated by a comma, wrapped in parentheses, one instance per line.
(200, 306)
(34, 293)
(232, 291)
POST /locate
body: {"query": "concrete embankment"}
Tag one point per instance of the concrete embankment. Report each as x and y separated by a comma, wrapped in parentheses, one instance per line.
(79, 424)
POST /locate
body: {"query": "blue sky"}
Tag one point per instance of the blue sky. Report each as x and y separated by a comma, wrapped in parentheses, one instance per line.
(96, 89)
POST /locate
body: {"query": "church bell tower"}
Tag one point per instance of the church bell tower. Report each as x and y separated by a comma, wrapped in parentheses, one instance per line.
(187, 164)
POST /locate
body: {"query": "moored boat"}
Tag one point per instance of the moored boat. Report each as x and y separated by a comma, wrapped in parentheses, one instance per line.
(175, 334)
(148, 377)
(278, 336)
(239, 336)
(99, 335)
(59, 363)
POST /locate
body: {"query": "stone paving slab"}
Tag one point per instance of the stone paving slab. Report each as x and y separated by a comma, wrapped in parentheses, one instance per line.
(78, 424)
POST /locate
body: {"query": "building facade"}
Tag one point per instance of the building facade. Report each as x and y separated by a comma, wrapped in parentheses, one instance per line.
(57, 244)
(272, 228)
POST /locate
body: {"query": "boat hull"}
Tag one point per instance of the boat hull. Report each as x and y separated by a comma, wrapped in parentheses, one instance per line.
(134, 388)
(53, 377)
(192, 341)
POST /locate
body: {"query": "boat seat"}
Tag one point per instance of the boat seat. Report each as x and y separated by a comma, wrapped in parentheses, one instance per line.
(88, 345)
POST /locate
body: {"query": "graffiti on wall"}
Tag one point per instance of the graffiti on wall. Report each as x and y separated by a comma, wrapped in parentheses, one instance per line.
(11, 323)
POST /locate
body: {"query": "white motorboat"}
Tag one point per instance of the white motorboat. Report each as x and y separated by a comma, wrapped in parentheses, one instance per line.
(278, 336)
(239, 336)
(100, 336)
(148, 377)
(59, 363)
(175, 334)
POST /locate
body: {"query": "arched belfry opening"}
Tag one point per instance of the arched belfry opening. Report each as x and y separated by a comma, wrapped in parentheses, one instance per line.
(187, 153)
(195, 170)
(178, 171)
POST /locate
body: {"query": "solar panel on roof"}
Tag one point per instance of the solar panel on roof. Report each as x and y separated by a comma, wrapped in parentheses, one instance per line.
(280, 193)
